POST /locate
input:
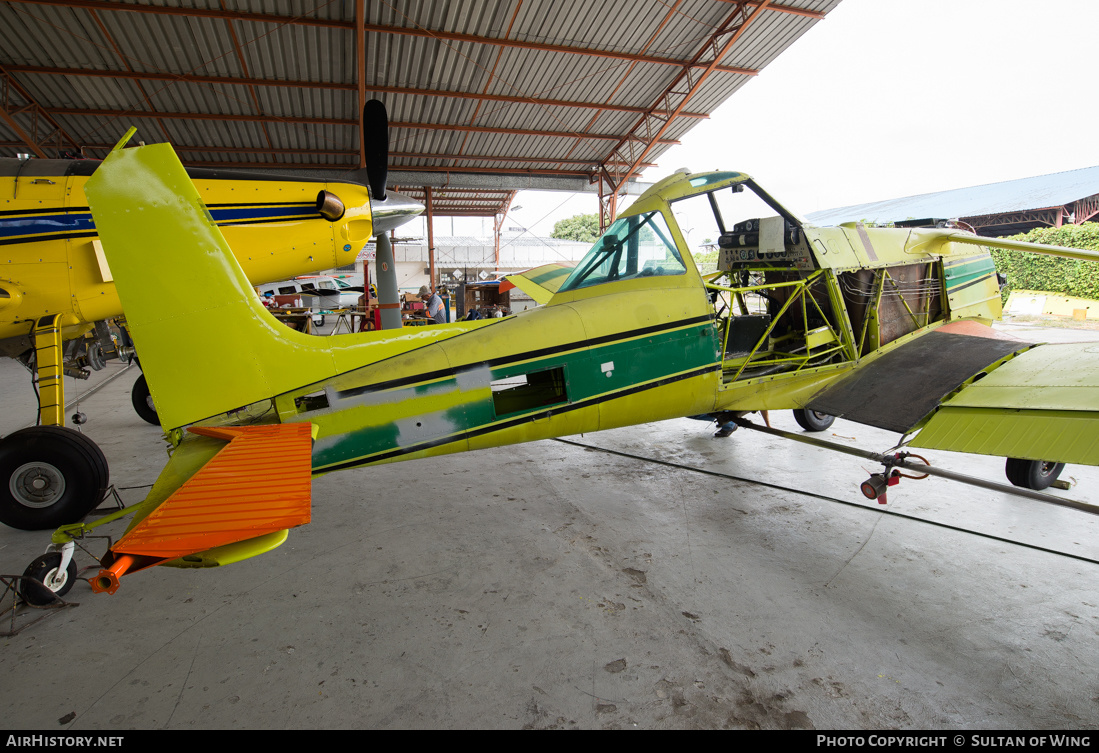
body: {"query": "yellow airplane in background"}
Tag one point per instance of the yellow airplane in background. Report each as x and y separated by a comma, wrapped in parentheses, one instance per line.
(884, 326)
(58, 294)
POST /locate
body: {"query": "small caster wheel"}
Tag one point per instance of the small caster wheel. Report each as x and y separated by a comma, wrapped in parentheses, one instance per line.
(52, 582)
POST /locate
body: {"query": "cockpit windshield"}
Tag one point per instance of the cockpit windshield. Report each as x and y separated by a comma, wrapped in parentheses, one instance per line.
(636, 246)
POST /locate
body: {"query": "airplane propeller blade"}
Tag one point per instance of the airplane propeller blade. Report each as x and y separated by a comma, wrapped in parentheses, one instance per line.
(389, 209)
(376, 137)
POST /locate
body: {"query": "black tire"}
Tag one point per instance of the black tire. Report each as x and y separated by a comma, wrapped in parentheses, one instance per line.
(143, 401)
(41, 570)
(49, 476)
(1033, 474)
(812, 420)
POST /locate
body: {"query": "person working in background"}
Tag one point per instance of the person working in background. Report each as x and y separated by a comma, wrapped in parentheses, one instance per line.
(434, 304)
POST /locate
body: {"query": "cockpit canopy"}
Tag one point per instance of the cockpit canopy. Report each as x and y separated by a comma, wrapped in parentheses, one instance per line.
(637, 246)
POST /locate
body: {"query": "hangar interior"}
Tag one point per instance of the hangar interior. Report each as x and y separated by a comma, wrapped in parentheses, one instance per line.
(516, 95)
(645, 577)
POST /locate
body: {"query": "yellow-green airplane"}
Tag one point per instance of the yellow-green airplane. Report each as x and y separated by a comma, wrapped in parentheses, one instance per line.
(884, 326)
(57, 291)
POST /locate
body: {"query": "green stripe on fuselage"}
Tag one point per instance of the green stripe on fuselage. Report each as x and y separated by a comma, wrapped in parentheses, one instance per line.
(962, 271)
(428, 413)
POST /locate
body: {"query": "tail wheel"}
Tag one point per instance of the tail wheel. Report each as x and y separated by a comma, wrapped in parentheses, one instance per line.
(49, 476)
(143, 401)
(55, 582)
(812, 420)
(1033, 474)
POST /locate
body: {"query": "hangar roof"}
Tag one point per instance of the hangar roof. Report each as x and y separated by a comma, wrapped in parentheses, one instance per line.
(1055, 190)
(491, 95)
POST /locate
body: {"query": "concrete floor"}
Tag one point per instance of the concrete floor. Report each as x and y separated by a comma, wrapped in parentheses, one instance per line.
(552, 585)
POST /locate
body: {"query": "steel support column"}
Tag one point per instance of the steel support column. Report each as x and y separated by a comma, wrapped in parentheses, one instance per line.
(498, 223)
(430, 211)
(608, 201)
(388, 296)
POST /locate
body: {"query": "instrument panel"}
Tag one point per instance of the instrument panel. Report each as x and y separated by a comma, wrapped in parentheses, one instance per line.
(766, 242)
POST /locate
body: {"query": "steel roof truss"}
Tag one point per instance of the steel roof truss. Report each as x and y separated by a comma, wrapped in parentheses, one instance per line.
(634, 147)
(14, 100)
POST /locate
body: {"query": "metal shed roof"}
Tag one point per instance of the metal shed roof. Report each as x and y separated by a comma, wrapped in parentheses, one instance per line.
(1055, 190)
(481, 94)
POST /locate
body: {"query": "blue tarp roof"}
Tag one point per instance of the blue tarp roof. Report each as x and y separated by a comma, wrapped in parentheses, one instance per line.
(1039, 192)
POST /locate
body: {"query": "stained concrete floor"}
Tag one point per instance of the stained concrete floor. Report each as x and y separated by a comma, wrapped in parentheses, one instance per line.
(554, 585)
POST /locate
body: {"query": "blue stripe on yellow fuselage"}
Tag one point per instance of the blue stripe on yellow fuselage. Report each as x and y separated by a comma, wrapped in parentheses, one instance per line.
(76, 222)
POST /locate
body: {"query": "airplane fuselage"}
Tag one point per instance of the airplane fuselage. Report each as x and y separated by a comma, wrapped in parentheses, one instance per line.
(633, 333)
(563, 369)
(52, 262)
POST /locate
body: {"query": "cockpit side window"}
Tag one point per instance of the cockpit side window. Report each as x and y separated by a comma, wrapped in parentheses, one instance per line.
(636, 246)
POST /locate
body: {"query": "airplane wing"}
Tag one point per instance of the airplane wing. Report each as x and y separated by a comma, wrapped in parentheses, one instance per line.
(968, 388)
(539, 283)
(227, 493)
(1041, 405)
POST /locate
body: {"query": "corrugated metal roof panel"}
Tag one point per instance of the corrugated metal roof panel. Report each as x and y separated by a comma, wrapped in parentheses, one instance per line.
(1038, 192)
(300, 41)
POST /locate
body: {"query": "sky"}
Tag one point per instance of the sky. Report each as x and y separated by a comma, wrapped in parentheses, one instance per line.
(891, 98)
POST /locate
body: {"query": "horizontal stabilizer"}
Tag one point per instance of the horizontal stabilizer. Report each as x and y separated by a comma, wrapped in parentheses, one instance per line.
(259, 483)
(539, 283)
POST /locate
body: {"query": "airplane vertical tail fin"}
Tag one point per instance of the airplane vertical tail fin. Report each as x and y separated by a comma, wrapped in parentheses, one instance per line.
(186, 299)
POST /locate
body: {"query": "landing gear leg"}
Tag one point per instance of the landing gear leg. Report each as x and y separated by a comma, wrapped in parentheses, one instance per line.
(55, 571)
(49, 475)
(49, 363)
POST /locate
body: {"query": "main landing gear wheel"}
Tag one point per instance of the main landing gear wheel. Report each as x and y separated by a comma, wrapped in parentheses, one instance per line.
(49, 476)
(812, 420)
(143, 401)
(1033, 474)
(54, 581)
